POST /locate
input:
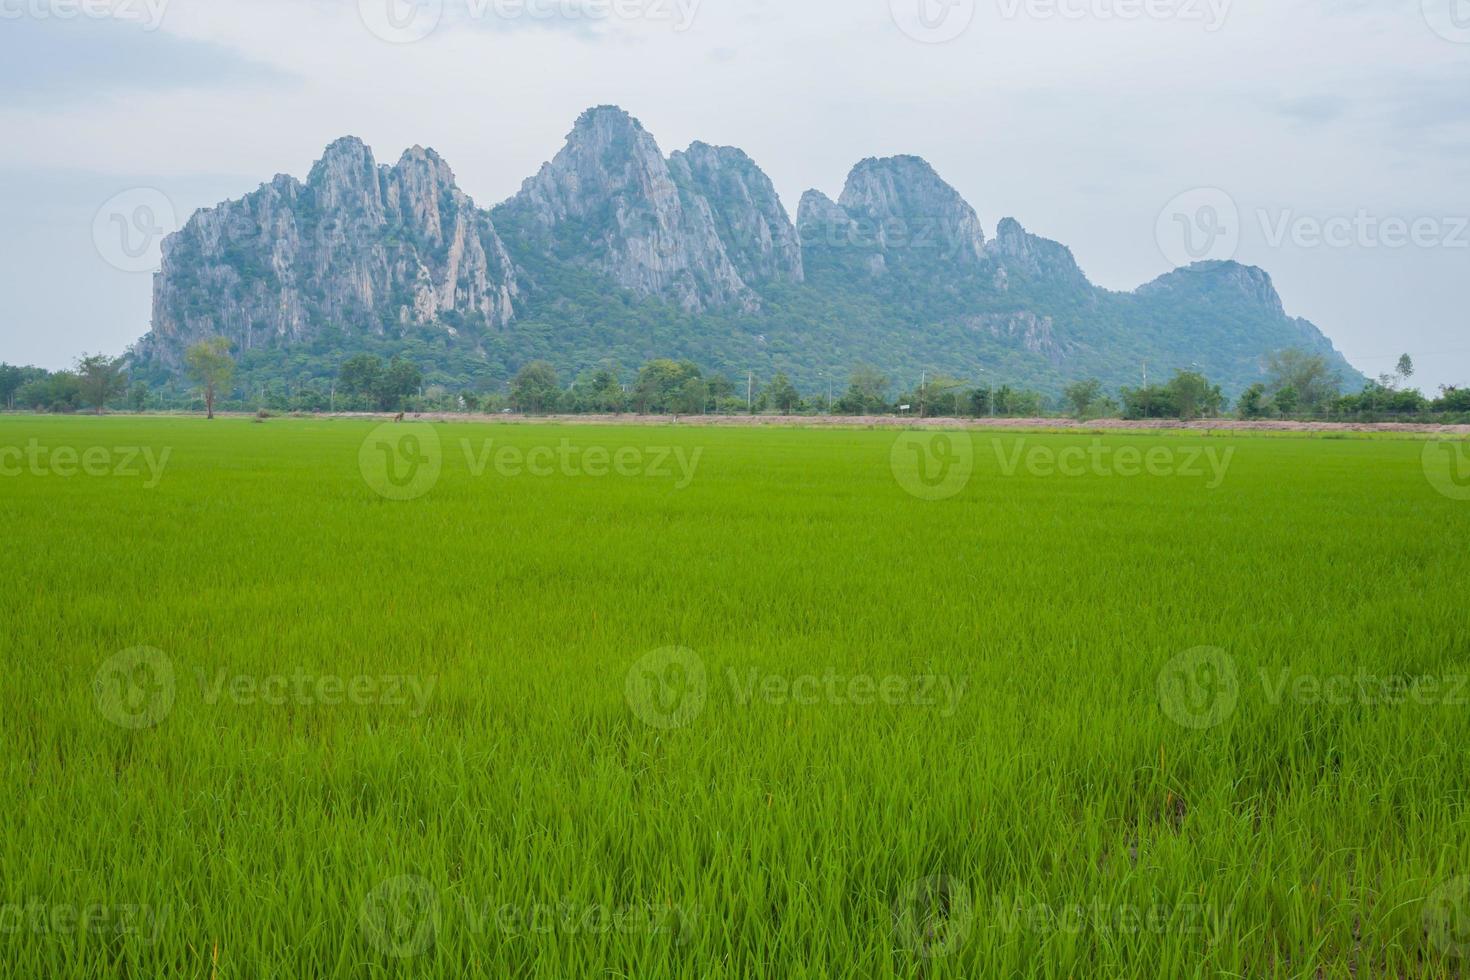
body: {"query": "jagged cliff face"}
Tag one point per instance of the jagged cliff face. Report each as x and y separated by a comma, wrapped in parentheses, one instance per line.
(894, 214)
(613, 250)
(609, 201)
(752, 224)
(818, 211)
(911, 211)
(1024, 329)
(1018, 253)
(359, 246)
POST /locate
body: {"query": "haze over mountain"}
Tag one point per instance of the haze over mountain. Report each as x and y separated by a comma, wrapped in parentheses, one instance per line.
(615, 252)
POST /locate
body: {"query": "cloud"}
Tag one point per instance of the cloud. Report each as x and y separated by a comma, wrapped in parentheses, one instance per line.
(45, 62)
(1082, 126)
(1313, 110)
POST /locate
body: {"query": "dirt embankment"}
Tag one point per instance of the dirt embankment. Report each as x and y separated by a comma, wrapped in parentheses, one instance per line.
(859, 422)
(898, 422)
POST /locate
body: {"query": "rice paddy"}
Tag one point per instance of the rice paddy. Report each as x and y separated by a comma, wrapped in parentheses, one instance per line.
(324, 698)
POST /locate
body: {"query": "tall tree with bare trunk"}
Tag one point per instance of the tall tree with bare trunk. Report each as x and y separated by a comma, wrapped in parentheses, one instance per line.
(210, 364)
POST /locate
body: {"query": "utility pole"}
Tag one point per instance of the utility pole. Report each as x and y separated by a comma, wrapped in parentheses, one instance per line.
(749, 391)
(923, 390)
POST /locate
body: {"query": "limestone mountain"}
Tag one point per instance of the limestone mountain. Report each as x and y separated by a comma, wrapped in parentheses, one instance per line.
(609, 201)
(1017, 252)
(753, 226)
(376, 249)
(614, 252)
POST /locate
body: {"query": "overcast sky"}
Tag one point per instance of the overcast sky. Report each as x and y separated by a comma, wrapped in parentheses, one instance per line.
(1327, 141)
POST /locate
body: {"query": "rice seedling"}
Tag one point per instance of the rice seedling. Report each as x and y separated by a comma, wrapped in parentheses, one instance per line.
(327, 699)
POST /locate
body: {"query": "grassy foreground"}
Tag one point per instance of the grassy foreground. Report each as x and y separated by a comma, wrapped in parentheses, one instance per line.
(321, 699)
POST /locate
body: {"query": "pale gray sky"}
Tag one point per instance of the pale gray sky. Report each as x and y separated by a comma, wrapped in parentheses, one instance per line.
(1327, 141)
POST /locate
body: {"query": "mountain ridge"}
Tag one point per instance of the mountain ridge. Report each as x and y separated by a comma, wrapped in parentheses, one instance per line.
(613, 251)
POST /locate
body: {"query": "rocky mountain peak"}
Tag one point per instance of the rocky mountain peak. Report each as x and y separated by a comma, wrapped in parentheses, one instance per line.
(346, 176)
(1219, 281)
(1019, 252)
(610, 201)
(749, 217)
(358, 246)
(817, 209)
(606, 117)
(428, 160)
(1010, 237)
(345, 152)
(420, 193)
(903, 196)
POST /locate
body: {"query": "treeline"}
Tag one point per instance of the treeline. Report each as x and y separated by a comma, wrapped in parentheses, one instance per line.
(1299, 385)
(669, 387)
(95, 382)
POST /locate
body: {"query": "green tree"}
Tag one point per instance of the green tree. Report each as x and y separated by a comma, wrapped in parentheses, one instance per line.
(138, 396)
(939, 396)
(1252, 403)
(1287, 401)
(867, 392)
(361, 376)
(102, 377)
(1405, 368)
(720, 388)
(1452, 399)
(693, 397)
(535, 388)
(1024, 404)
(660, 382)
(782, 395)
(1310, 377)
(210, 364)
(1193, 396)
(603, 391)
(58, 392)
(1152, 402)
(398, 382)
(11, 380)
(1080, 395)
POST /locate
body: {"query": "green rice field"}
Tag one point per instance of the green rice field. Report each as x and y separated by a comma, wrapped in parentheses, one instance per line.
(324, 698)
